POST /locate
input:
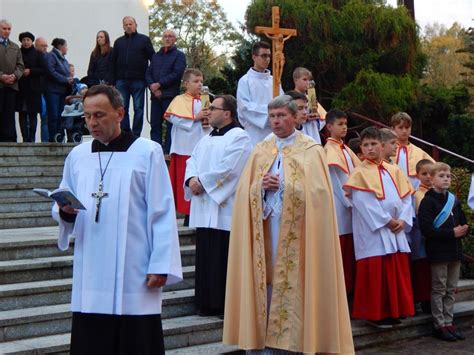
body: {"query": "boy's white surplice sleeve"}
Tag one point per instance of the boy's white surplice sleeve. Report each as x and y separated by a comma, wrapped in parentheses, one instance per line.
(162, 229)
(370, 209)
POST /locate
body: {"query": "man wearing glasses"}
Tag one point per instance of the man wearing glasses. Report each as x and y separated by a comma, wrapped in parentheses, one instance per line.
(212, 174)
(254, 92)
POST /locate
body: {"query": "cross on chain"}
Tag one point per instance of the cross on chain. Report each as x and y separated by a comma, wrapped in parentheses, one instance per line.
(99, 195)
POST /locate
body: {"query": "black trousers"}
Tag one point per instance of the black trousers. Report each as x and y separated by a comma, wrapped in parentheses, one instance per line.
(28, 122)
(7, 115)
(212, 247)
(104, 334)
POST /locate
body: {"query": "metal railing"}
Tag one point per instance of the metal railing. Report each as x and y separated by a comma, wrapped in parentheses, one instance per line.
(435, 150)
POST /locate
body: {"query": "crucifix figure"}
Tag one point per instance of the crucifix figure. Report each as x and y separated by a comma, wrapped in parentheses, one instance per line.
(278, 36)
(99, 195)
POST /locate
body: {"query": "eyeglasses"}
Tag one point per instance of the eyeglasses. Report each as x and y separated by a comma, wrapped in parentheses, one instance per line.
(265, 56)
(213, 108)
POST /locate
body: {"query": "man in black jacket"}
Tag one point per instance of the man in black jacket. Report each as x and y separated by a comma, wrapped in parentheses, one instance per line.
(130, 58)
(163, 77)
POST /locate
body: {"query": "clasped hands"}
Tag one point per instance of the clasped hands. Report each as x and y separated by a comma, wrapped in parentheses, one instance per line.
(271, 182)
(396, 225)
(155, 90)
(8, 79)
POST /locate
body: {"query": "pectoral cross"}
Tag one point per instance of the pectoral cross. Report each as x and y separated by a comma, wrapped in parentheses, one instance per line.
(278, 36)
(99, 195)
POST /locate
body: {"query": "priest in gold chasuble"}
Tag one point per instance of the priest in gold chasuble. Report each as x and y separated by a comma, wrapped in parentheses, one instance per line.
(285, 282)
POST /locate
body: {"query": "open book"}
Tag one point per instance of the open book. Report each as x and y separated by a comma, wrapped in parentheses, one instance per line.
(63, 196)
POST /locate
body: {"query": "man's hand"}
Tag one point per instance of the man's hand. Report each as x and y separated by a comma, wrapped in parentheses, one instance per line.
(68, 209)
(154, 87)
(270, 182)
(460, 231)
(155, 280)
(195, 186)
(395, 225)
(26, 72)
(313, 116)
(203, 114)
(157, 93)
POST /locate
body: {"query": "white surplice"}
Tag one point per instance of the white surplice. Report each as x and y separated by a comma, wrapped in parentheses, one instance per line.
(403, 164)
(217, 161)
(136, 234)
(254, 92)
(185, 133)
(341, 202)
(312, 128)
(470, 199)
(370, 215)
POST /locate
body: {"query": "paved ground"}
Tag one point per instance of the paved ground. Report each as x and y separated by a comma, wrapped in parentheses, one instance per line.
(428, 345)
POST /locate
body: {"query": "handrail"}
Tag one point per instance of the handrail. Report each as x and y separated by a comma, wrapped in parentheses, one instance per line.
(434, 148)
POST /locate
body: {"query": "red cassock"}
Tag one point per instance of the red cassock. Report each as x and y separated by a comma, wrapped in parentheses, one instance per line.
(421, 277)
(383, 288)
(177, 169)
(348, 261)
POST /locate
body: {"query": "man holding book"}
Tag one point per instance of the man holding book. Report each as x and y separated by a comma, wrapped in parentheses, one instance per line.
(126, 240)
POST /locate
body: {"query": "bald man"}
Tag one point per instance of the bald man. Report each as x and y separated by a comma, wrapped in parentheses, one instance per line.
(130, 58)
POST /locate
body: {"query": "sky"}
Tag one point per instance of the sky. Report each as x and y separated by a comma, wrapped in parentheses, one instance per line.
(444, 12)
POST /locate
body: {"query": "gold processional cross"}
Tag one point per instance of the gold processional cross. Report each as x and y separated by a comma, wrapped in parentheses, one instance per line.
(278, 36)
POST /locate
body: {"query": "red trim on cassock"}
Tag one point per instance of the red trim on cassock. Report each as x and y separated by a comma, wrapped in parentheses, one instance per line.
(383, 288)
(421, 277)
(177, 169)
(348, 261)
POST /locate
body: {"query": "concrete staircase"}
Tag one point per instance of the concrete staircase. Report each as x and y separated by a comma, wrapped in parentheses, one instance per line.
(22, 168)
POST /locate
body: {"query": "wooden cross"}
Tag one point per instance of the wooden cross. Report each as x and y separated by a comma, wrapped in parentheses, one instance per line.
(278, 36)
(99, 195)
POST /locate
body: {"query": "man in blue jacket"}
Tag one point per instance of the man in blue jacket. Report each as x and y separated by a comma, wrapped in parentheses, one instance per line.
(163, 77)
(130, 58)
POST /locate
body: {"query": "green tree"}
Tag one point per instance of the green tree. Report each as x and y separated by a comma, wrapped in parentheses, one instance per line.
(203, 32)
(338, 39)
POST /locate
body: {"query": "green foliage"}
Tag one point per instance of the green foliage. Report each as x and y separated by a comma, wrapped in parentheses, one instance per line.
(338, 39)
(202, 30)
(460, 186)
(377, 95)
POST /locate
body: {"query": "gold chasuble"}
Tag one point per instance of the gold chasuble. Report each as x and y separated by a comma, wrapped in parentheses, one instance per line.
(182, 106)
(414, 155)
(308, 310)
(335, 155)
(367, 177)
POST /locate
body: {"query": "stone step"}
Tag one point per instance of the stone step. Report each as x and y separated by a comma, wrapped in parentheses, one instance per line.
(22, 190)
(56, 267)
(29, 243)
(26, 219)
(178, 333)
(44, 161)
(32, 170)
(39, 179)
(205, 349)
(25, 204)
(366, 336)
(34, 149)
(54, 319)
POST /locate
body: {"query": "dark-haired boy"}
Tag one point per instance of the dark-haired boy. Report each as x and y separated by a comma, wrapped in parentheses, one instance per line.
(254, 92)
(382, 212)
(342, 161)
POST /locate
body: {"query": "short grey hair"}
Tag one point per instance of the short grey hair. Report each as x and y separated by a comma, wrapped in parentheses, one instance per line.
(5, 21)
(170, 30)
(129, 18)
(283, 101)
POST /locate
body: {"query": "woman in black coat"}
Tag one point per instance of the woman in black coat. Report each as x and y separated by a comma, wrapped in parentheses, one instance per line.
(100, 65)
(29, 95)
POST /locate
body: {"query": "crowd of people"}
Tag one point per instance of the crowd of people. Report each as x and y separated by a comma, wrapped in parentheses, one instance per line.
(292, 238)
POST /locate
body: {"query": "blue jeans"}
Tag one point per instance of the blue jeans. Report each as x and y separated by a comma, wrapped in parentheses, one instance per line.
(54, 106)
(158, 109)
(136, 89)
(44, 121)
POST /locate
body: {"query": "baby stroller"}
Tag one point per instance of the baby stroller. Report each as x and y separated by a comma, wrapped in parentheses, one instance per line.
(72, 119)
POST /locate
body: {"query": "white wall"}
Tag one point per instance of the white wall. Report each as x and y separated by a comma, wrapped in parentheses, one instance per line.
(77, 21)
